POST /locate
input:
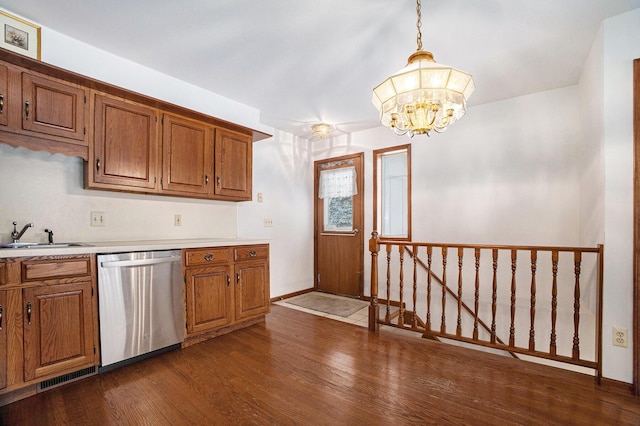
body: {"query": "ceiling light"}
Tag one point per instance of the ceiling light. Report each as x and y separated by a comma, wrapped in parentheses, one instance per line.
(321, 130)
(424, 95)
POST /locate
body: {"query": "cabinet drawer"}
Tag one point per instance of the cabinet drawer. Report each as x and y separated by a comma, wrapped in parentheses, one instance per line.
(250, 252)
(38, 270)
(206, 256)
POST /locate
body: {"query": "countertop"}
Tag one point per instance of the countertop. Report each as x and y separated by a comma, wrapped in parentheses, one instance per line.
(126, 246)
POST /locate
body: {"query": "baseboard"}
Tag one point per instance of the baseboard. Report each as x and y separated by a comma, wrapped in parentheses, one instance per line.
(287, 296)
(17, 395)
(616, 386)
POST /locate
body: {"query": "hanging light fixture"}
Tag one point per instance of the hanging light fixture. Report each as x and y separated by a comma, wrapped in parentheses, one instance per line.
(424, 95)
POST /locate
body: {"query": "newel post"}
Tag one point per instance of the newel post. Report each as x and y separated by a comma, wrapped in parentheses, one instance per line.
(374, 248)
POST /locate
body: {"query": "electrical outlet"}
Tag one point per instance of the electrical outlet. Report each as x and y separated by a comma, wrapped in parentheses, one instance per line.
(620, 337)
(177, 220)
(268, 222)
(98, 219)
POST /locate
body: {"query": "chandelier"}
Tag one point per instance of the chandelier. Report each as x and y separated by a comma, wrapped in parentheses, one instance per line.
(424, 95)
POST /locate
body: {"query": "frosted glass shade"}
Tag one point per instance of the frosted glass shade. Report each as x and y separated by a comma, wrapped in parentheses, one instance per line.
(423, 96)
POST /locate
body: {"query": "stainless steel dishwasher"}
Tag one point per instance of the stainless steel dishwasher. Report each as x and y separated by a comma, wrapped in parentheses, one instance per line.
(141, 309)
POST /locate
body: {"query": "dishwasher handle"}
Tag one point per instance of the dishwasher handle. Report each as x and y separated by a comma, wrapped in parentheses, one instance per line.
(139, 262)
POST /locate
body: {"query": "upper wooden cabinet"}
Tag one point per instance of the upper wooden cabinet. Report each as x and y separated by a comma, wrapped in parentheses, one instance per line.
(41, 112)
(233, 157)
(124, 152)
(54, 108)
(4, 92)
(121, 136)
(187, 156)
(134, 152)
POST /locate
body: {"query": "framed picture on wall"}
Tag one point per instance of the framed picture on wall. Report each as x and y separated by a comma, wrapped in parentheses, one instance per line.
(19, 36)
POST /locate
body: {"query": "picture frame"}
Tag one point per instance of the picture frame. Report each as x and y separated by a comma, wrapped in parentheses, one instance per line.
(19, 36)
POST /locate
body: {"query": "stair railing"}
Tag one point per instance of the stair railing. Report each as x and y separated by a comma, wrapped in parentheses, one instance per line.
(561, 295)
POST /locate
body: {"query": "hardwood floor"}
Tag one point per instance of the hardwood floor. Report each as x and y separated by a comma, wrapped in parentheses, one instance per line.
(304, 369)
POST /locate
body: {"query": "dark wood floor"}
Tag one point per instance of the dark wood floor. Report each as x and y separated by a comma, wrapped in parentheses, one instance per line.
(303, 369)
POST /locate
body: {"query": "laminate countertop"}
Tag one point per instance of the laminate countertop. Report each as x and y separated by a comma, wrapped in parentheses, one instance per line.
(124, 246)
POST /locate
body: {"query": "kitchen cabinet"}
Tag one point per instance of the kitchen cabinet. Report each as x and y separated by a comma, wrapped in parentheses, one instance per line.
(119, 134)
(4, 91)
(187, 157)
(124, 152)
(3, 340)
(130, 147)
(233, 165)
(42, 112)
(49, 319)
(252, 281)
(226, 289)
(58, 329)
(209, 298)
(54, 108)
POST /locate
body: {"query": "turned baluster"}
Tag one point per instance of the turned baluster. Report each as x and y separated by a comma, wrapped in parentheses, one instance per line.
(576, 306)
(512, 327)
(402, 308)
(554, 301)
(494, 294)
(428, 322)
(414, 322)
(532, 330)
(443, 320)
(388, 312)
(459, 322)
(476, 295)
(374, 247)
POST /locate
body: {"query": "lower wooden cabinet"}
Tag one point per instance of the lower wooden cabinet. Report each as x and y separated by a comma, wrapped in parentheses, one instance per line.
(58, 329)
(3, 339)
(226, 288)
(252, 289)
(48, 324)
(209, 298)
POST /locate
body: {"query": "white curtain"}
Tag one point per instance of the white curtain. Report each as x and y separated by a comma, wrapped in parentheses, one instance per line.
(338, 183)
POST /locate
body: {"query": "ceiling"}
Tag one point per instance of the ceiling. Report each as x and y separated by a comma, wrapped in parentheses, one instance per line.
(303, 62)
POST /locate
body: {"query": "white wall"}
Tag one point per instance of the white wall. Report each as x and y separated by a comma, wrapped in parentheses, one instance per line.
(48, 190)
(621, 47)
(283, 174)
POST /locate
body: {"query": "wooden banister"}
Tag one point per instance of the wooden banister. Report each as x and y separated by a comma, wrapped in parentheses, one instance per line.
(430, 275)
(543, 296)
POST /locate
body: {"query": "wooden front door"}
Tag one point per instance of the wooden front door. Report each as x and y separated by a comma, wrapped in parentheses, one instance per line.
(339, 221)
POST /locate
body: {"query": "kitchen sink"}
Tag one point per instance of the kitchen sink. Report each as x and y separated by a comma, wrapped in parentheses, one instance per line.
(41, 245)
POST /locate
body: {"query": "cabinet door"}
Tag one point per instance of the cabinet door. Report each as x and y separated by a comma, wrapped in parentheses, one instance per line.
(4, 93)
(187, 156)
(233, 159)
(125, 150)
(58, 329)
(252, 289)
(54, 108)
(209, 298)
(3, 339)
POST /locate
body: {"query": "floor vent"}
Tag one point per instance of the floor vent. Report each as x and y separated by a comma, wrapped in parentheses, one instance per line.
(66, 378)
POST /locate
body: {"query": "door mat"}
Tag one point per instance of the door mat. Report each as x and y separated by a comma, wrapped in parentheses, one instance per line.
(340, 306)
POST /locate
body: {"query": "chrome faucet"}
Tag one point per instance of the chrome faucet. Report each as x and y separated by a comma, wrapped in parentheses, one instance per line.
(15, 235)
